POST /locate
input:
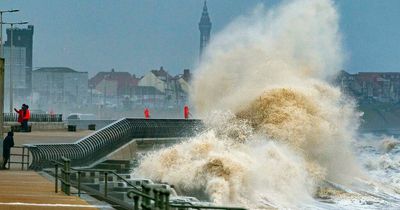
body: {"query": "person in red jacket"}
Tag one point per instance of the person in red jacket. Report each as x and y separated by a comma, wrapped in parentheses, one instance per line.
(25, 118)
(186, 112)
(146, 113)
(20, 114)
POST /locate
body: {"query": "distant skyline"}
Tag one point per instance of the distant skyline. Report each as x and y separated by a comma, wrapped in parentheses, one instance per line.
(137, 36)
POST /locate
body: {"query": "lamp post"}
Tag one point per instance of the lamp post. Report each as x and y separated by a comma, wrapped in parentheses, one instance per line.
(11, 61)
(76, 91)
(105, 78)
(1, 28)
(91, 86)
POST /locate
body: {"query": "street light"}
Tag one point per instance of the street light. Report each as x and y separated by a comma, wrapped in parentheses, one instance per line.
(91, 86)
(76, 88)
(1, 28)
(11, 46)
(105, 78)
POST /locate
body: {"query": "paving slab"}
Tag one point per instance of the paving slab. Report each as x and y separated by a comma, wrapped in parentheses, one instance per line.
(29, 190)
(48, 136)
(35, 137)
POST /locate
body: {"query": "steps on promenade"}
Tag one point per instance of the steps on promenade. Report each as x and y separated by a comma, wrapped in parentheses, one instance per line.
(29, 190)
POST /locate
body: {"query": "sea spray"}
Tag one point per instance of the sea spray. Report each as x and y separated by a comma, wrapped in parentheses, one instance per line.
(231, 171)
(313, 122)
(276, 128)
(380, 156)
(290, 45)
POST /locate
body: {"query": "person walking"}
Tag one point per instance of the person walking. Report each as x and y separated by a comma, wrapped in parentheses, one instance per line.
(25, 118)
(7, 144)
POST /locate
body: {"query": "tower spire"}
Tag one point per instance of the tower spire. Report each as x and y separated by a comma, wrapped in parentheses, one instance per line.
(205, 28)
(205, 7)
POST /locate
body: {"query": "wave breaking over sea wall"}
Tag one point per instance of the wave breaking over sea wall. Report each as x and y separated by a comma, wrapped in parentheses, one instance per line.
(277, 130)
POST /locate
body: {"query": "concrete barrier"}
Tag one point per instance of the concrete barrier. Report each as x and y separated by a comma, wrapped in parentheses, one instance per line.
(84, 124)
(37, 126)
(95, 147)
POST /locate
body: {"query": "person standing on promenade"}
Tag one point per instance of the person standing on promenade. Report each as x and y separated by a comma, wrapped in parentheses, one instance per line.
(25, 118)
(147, 113)
(186, 112)
(20, 114)
(7, 144)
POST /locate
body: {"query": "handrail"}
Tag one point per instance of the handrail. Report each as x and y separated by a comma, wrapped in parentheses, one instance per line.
(95, 147)
(161, 201)
(141, 198)
(34, 117)
(23, 155)
(205, 207)
(57, 163)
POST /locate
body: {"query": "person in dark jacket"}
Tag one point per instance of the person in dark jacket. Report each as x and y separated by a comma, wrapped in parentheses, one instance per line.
(7, 144)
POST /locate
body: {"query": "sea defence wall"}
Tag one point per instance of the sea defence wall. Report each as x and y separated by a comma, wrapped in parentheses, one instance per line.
(380, 118)
(48, 126)
(83, 124)
(38, 126)
(98, 145)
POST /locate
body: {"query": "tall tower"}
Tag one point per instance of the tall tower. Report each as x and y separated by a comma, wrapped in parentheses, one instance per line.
(23, 37)
(205, 28)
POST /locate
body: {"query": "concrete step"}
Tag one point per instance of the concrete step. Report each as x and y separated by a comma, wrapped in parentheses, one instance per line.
(139, 182)
(119, 168)
(93, 186)
(126, 162)
(119, 195)
(123, 189)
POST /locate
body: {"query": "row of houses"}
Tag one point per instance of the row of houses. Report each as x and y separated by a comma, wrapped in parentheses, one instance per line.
(371, 86)
(56, 88)
(61, 88)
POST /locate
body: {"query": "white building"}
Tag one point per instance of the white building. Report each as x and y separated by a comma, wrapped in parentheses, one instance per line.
(175, 89)
(155, 79)
(59, 88)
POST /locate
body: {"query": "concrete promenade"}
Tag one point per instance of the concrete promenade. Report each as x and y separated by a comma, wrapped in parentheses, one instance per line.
(29, 190)
(61, 136)
(35, 137)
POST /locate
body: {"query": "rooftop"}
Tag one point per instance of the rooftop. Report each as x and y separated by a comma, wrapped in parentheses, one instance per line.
(57, 69)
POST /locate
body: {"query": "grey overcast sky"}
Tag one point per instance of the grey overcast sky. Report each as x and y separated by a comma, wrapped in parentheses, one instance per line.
(139, 35)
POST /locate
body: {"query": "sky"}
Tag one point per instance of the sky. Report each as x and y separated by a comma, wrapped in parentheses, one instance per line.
(139, 35)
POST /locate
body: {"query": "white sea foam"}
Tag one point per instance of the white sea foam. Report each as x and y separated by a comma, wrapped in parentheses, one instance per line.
(276, 129)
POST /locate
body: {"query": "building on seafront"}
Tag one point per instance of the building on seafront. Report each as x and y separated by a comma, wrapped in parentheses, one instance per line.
(22, 38)
(54, 88)
(59, 88)
(19, 80)
(111, 87)
(371, 86)
(175, 89)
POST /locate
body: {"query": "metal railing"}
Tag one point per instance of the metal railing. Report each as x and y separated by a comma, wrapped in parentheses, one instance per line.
(153, 198)
(13, 117)
(146, 198)
(66, 183)
(24, 157)
(67, 170)
(93, 148)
